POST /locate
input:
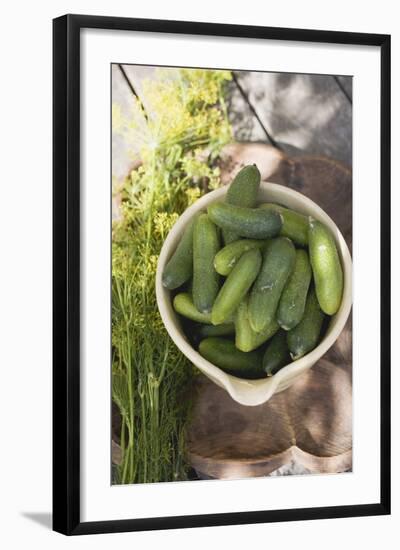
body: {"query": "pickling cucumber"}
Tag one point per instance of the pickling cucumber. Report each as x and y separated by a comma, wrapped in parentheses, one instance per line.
(276, 268)
(228, 256)
(246, 339)
(223, 353)
(326, 267)
(183, 304)
(305, 336)
(252, 223)
(179, 268)
(277, 354)
(294, 226)
(236, 286)
(242, 192)
(226, 329)
(205, 278)
(294, 295)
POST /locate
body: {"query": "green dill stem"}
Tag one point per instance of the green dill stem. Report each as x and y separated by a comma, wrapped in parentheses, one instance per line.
(155, 425)
(152, 192)
(164, 363)
(129, 455)
(131, 402)
(152, 390)
(122, 437)
(144, 435)
(125, 468)
(154, 412)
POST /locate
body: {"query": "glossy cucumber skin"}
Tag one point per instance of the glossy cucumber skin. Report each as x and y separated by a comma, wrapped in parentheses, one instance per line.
(294, 295)
(277, 354)
(223, 353)
(183, 304)
(278, 263)
(242, 192)
(294, 226)
(326, 267)
(304, 338)
(205, 278)
(246, 339)
(252, 223)
(226, 329)
(228, 256)
(236, 286)
(179, 268)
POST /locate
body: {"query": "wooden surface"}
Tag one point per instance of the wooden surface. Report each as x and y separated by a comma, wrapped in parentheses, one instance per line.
(302, 114)
(307, 426)
(298, 114)
(299, 127)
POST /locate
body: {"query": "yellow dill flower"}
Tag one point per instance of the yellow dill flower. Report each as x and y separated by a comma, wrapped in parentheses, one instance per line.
(192, 193)
(163, 222)
(179, 128)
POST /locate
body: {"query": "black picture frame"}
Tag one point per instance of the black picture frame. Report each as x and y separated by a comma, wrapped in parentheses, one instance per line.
(66, 273)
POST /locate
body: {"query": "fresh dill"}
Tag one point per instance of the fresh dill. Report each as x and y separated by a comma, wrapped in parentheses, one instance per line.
(179, 139)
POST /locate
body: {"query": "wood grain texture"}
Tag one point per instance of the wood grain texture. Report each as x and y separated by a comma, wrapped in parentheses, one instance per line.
(124, 156)
(308, 425)
(269, 160)
(244, 123)
(346, 83)
(325, 181)
(304, 113)
(123, 153)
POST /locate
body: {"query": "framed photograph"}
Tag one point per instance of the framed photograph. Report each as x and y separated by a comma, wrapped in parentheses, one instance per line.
(221, 274)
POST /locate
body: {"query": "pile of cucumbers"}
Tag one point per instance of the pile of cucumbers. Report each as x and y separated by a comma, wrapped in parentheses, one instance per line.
(257, 282)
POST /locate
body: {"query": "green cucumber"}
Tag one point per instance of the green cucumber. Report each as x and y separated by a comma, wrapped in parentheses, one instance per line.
(252, 223)
(179, 268)
(305, 336)
(228, 256)
(277, 354)
(205, 278)
(229, 236)
(277, 266)
(246, 338)
(326, 267)
(183, 304)
(294, 226)
(242, 192)
(294, 295)
(236, 286)
(223, 353)
(226, 329)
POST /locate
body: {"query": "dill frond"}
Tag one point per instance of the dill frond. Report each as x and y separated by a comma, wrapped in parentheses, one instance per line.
(179, 143)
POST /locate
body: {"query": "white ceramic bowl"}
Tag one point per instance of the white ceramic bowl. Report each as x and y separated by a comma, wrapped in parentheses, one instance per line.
(254, 392)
